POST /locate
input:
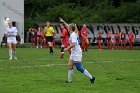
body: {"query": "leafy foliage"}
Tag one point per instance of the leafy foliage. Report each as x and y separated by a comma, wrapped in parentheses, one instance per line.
(82, 11)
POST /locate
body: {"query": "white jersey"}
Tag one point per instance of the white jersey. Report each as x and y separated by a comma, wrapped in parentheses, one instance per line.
(75, 51)
(10, 32)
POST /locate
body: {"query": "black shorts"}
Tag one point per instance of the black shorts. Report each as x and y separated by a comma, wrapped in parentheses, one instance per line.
(49, 39)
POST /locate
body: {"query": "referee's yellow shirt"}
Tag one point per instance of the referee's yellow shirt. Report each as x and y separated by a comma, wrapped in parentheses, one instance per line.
(49, 31)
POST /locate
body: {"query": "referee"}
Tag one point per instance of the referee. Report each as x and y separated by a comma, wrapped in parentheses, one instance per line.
(49, 33)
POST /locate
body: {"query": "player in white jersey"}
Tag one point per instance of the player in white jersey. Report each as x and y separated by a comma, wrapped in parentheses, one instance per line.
(11, 33)
(76, 53)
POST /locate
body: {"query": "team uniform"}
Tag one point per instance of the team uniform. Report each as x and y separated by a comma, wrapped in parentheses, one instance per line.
(39, 39)
(33, 37)
(123, 40)
(99, 40)
(76, 52)
(117, 40)
(11, 31)
(109, 41)
(11, 39)
(64, 41)
(76, 57)
(84, 39)
(131, 39)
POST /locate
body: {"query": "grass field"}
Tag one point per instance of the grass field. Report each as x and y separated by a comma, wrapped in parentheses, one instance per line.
(35, 71)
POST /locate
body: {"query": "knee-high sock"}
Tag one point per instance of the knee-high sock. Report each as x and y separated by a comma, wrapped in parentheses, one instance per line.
(83, 70)
(62, 52)
(10, 53)
(51, 49)
(14, 53)
(70, 74)
(87, 45)
(87, 74)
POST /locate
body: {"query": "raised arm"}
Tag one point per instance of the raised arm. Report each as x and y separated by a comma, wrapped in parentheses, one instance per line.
(66, 24)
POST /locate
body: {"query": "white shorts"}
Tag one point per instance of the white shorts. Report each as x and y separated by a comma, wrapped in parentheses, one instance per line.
(76, 58)
(11, 41)
(62, 45)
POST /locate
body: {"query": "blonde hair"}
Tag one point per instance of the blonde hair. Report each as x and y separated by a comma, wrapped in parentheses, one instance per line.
(73, 28)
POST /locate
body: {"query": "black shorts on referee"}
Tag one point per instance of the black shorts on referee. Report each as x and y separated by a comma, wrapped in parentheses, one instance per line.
(49, 39)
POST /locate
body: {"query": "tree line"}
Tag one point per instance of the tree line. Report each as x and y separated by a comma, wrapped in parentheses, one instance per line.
(82, 11)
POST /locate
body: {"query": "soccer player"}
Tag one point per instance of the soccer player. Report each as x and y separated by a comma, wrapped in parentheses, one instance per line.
(84, 38)
(131, 39)
(108, 40)
(64, 40)
(76, 53)
(32, 33)
(99, 40)
(116, 40)
(123, 40)
(39, 38)
(49, 33)
(11, 33)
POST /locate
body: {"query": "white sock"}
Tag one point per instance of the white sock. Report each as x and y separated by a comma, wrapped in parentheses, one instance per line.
(87, 74)
(10, 53)
(14, 53)
(70, 74)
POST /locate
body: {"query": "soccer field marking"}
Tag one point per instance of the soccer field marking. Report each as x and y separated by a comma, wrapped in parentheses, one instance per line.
(48, 65)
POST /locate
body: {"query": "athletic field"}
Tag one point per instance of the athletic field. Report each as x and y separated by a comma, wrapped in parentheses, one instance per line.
(35, 71)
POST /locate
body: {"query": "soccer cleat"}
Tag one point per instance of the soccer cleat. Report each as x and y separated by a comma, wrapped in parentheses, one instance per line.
(61, 57)
(92, 80)
(15, 58)
(51, 53)
(68, 82)
(10, 58)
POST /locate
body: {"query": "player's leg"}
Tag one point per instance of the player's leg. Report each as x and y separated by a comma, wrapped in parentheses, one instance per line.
(110, 44)
(10, 50)
(87, 44)
(107, 42)
(62, 51)
(32, 42)
(79, 67)
(132, 45)
(37, 42)
(41, 42)
(51, 47)
(124, 44)
(14, 50)
(83, 45)
(70, 71)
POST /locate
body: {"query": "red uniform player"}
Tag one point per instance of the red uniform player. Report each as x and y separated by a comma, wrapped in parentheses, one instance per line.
(131, 39)
(33, 35)
(108, 40)
(39, 38)
(99, 40)
(64, 40)
(84, 38)
(123, 40)
(116, 40)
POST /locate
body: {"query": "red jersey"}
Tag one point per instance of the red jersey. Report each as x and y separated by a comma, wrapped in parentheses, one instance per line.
(65, 37)
(131, 37)
(117, 37)
(84, 32)
(108, 37)
(99, 36)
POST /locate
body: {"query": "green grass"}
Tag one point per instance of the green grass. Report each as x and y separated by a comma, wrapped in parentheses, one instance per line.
(35, 71)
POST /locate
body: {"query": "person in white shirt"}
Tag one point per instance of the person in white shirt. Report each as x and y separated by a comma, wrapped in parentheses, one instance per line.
(76, 53)
(11, 33)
